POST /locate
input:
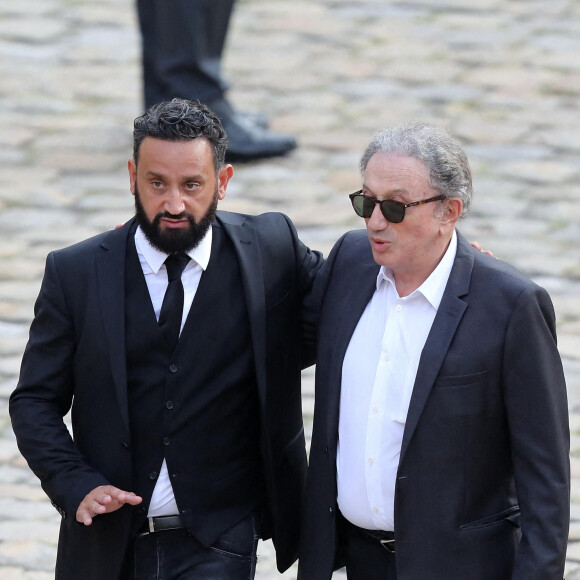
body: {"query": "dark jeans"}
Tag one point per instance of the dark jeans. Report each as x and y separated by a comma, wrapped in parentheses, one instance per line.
(175, 555)
(366, 558)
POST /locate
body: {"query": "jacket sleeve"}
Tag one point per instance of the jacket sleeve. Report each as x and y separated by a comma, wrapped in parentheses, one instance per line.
(43, 397)
(536, 404)
(314, 296)
(308, 263)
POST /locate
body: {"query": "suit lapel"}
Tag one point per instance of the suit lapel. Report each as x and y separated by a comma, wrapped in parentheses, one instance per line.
(449, 315)
(354, 292)
(110, 266)
(247, 249)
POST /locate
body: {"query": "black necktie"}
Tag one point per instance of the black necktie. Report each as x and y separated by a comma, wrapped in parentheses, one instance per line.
(172, 307)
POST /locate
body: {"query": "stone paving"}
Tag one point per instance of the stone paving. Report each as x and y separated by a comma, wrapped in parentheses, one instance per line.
(502, 76)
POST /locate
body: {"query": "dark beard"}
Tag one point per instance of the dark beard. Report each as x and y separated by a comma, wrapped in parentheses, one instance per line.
(169, 241)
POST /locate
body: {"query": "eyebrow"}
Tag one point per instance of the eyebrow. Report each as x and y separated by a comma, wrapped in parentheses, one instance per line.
(153, 174)
(186, 179)
(391, 193)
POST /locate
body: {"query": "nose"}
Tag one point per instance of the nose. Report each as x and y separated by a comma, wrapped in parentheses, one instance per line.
(174, 202)
(377, 220)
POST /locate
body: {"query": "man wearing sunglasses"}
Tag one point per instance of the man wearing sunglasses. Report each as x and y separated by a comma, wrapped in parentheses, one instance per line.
(440, 439)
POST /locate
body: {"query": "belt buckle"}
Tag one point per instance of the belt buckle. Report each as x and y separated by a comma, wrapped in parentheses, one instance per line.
(151, 528)
(388, 545)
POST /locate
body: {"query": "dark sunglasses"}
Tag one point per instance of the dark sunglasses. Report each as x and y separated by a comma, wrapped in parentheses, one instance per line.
(393, 211)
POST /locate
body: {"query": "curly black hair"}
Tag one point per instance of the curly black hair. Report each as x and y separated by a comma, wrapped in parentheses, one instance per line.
(181, 120)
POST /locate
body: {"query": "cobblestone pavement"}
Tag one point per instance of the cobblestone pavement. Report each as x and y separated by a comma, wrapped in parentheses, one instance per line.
(502, 76)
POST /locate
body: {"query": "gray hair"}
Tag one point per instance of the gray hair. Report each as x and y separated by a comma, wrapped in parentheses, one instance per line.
(445, 159)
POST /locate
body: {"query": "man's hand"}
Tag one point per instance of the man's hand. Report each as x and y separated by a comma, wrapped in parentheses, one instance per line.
(103, 500)
(477, 246)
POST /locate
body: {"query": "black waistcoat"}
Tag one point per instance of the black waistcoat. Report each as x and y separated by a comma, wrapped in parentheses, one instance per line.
(198, 406)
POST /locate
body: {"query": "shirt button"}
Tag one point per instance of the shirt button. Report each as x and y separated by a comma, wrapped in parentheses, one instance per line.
(371, 461)
(375, 510)
(399, 308)
(169, 405)
(173, 368)
(375, 410)
(153, 475)
(165, 440)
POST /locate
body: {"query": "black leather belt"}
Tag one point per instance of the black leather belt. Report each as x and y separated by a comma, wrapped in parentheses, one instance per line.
(161, 524)
(386, 539)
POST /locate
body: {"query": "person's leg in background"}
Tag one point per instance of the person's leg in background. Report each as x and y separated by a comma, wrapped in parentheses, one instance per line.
(182, 45)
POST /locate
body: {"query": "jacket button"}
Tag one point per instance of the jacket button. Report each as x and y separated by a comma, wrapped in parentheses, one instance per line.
(326, 451)
(331, 510)
(169, 405)
(125, 445)
(173, 368)
(153, 475)
(166, 441)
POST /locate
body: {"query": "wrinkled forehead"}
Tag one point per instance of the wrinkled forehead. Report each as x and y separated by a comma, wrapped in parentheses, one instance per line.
(388, 173)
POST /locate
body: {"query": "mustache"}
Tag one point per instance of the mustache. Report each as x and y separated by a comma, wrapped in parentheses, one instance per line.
(179, 216)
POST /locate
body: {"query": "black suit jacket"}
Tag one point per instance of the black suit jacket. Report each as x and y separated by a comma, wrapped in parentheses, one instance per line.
(75, 360)
(482, 488)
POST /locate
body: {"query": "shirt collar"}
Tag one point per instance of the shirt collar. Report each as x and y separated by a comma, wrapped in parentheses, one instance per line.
(155, 258)
(434, 286)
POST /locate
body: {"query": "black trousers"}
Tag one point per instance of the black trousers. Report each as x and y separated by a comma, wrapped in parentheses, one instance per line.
(182, 45)
(366, 558)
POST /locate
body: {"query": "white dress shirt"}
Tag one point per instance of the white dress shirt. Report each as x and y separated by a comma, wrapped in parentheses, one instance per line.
(378, 374)
(152, 262)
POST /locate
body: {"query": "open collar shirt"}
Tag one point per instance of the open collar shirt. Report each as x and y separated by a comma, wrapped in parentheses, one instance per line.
(378, 374)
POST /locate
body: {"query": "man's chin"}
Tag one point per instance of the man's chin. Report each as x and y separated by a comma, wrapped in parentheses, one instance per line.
(179, 242)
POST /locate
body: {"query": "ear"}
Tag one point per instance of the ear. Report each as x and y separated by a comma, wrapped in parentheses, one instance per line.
(452, 209)
(224, 175)
(131, 165)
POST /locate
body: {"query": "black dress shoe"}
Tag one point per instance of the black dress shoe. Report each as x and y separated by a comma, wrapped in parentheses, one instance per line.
(256, 118)
(246, 140)
(223, 109)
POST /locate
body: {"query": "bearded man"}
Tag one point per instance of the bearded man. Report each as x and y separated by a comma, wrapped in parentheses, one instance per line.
(175, 343)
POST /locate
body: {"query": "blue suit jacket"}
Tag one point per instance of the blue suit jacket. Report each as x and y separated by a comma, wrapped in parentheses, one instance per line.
(482, 488)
